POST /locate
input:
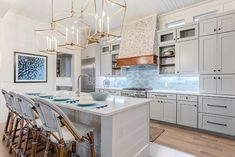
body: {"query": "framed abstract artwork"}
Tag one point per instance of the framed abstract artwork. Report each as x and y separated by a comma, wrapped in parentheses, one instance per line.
(30, 68)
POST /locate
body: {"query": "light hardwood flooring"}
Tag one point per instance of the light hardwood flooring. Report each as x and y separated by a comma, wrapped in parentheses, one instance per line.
(177, 142)
(191, 142)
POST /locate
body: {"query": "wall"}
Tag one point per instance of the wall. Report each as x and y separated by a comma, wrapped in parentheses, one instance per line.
(17, 34)
(189, 12)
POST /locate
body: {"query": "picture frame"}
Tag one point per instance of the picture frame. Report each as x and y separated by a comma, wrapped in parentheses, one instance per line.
(30, 68)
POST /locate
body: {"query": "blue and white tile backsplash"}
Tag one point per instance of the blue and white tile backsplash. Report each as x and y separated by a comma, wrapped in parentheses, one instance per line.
(147, 77)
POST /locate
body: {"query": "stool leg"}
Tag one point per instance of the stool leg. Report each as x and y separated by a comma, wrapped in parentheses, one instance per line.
(47, 148)
(26, 141)
(14, 134)
(61, 150)
(91, 141)
(12, 119)
(6, 126)
(34, 142)
(19, 145)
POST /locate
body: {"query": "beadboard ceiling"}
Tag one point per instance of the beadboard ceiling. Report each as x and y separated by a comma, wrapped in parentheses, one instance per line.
(40, 9)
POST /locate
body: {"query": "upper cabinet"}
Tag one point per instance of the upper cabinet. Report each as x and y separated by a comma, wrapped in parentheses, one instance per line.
(167, 37)
(109, 56)
(219, 24)
(187, 33)
(178, 50)
(90, 52)
(208, 26)
(226, 23)
(217, 54)
(187, 57)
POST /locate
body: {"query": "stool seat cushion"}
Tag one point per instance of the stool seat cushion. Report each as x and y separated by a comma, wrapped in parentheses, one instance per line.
(81, 128)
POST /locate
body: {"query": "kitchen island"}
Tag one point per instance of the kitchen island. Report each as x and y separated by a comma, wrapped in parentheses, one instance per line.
(121, 128)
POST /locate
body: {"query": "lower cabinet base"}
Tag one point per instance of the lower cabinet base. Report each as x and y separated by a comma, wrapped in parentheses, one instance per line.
(216, 123)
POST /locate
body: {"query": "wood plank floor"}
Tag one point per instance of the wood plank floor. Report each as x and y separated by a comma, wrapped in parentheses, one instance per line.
(177, 142)
(192, 142)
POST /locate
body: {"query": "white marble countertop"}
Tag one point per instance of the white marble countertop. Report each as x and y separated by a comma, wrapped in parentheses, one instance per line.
(115, 104)
(197, 93)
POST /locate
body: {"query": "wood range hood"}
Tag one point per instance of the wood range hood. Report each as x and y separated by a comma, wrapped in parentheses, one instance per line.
(137, 60)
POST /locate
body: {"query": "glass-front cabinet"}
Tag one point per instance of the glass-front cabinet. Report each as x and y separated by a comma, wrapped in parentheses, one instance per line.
(166, 37)
(187, 33)
(109, 58)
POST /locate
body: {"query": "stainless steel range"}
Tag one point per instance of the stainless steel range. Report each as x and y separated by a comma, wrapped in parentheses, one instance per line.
(135, 92)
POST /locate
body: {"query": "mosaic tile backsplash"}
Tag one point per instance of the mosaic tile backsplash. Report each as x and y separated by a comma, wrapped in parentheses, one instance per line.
(147, 77)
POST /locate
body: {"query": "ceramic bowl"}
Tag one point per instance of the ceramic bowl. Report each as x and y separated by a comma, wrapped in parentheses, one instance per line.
(99, 96)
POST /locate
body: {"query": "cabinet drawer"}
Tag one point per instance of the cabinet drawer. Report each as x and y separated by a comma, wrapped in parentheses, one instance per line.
(187, 98)
(220, 124)
(161, 96)
(221, 106)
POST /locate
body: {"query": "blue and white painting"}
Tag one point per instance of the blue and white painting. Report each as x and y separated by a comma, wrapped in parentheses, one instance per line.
(30, 68)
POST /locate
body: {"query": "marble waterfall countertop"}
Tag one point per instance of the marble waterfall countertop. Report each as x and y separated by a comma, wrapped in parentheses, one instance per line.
(115, 104)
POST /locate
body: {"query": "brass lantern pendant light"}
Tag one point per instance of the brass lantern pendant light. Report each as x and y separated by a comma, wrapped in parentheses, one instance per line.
(74, 29)
(49, 36)
(107, 12)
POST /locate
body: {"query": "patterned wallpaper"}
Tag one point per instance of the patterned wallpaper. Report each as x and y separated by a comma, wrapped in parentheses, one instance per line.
(147, 76)
(139, 38)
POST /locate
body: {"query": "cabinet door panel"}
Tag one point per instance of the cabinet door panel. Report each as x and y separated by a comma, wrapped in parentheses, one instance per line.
(207, 53)
(216, 123)
(208, 84)
(187, 33)
(169, 111)
(106, 64)
(226, 84)
(187, 113)
(187, 57)
(208, 27)
(167, 37)
(156, 110)
(226, 53)
(226, 23)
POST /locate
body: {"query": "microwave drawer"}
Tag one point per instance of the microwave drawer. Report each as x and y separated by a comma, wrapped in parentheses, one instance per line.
(187, 98)
(215, 123)
(162, 96)
(220, 106)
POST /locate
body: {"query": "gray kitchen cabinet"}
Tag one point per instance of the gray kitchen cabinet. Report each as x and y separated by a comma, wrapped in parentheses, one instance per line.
(226, 84)
(169, 111)
(207, 53)
(208, 26)
(226, 53)
(217, 84)
(166, 37)
(90, 51)
(187, 111)
(219, 24)
(156, 110)
(163, 107)
(217, 114)
(106, 64)
(208, 84)
(215, 105)
(226, 23)
(216, 123)
(186, 53)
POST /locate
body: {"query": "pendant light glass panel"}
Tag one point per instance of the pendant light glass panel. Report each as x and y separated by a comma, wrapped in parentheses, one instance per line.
(108, 17)
(75, 31)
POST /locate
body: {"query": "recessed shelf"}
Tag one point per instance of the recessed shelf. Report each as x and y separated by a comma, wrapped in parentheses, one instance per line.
(167, 64)
(168, 56)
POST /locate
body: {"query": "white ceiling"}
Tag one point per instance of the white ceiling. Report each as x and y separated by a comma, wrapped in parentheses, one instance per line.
(40, 9)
